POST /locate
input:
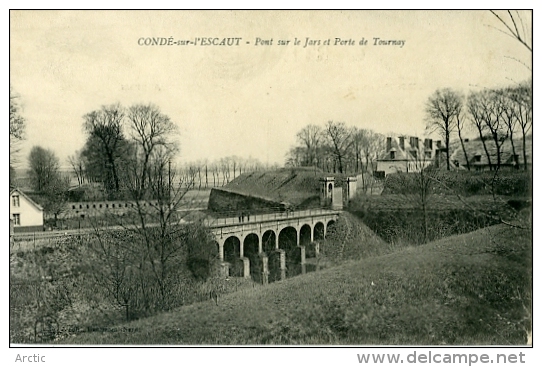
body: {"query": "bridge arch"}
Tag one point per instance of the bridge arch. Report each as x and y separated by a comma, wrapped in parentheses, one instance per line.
(305, 235)
(232, 253)
(319, 232)
(269, 241)
(288, 241)
(251, 244)
(251, 250)
(288, 238)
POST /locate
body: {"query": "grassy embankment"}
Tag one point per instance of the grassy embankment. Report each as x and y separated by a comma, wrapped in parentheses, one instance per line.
(467, 289)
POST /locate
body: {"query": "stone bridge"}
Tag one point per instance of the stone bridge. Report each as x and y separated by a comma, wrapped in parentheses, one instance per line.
(278, 237)
(249, 245)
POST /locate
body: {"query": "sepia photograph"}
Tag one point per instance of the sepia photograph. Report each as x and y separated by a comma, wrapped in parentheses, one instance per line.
(271, 178)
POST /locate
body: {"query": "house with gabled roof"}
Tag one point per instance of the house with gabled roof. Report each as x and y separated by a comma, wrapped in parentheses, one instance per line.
(24, 213)
(409, 155)
(478, 157)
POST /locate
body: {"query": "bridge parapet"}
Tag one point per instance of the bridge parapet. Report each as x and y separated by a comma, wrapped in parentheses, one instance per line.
(276, 216)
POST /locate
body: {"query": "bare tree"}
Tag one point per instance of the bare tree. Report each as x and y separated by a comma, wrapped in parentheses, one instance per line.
(460, 126)
(418, 185)
(475, 105)
(359, 141)
(374, 147)
(43, 168)
(340, 140)
(295, 157)
(46, 180)
(106, 146)
(509, 116)
(225, 169)
(493, 116)
(516, 27)
(16, 126)
(77, 163)
(440, 110)
(206, 174)
(153, 246)
(522, 97)
(152, 134)
(310, 137)
(56, 197)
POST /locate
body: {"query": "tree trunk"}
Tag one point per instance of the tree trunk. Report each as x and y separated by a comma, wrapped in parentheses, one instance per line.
(525, 165)
(496, 141)
(463, 147)
(514, 156)
(485, 149)
(447, 138)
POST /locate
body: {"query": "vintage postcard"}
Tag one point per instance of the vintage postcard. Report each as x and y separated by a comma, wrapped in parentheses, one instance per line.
(272, 178)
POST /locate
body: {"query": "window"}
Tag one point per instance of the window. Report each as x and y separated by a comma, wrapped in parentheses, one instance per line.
(478, 158)
(428, 155)
(414, 154)
(17, 219)
(392, 155)
(73, 206)
(16, 201)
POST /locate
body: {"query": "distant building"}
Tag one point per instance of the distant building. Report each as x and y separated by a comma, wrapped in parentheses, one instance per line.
(478, 158)
(409, 155)
(24, 213)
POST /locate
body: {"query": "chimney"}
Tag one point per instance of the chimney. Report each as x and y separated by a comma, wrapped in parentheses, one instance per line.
(388, 144)
(402, 142)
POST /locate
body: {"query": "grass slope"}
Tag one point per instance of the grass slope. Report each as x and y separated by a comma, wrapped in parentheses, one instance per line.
(463, 290)
(351, 239)
(292, 185)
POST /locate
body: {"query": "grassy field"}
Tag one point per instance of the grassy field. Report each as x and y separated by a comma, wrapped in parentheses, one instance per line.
(469, 289)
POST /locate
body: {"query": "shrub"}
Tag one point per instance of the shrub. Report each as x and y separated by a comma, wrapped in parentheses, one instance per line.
(465, 183)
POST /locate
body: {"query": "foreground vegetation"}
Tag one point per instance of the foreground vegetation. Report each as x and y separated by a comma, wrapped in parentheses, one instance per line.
(469, 289)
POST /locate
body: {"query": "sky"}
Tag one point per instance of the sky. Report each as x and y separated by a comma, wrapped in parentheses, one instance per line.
(250, 99)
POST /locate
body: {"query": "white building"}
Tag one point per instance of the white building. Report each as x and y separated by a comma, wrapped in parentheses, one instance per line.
(410, 155)
(25, 214)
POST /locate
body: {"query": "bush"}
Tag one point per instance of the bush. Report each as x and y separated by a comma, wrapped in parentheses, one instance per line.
(407, 226)
(465, 183)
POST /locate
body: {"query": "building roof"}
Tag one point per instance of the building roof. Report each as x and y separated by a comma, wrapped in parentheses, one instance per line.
(475, 148)
(26, 197)
(405, 154)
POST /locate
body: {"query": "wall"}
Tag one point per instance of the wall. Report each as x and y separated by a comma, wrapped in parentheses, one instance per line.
(94, 208)
(30, 215)
(391, 166)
